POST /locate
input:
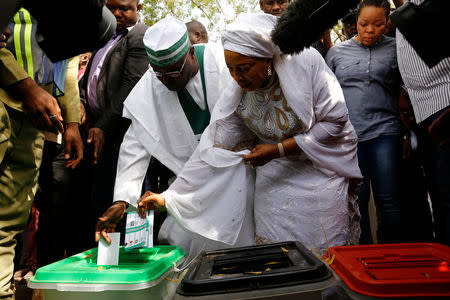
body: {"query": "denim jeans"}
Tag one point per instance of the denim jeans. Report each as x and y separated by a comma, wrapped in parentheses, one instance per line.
(379, 161)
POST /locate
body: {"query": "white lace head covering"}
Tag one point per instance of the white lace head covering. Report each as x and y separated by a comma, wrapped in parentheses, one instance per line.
(249, 35)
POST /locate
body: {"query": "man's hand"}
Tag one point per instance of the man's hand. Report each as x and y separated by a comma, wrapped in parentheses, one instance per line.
(4, 36)
(150, 201)
(96, 137)
(407, 150)
(73, 141)
(405, 110)
(107, 222)
(42, 108)
(82, 113)
(262, 154)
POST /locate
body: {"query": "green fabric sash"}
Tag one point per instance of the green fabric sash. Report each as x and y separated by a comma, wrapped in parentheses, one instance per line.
(198, 118)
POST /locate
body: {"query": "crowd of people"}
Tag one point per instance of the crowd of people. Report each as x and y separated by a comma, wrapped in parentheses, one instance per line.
(232, 145)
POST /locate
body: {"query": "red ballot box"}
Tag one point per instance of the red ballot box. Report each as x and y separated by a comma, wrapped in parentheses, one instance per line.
(393, 270)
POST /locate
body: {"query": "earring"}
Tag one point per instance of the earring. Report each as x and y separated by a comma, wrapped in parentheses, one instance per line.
(269, 71)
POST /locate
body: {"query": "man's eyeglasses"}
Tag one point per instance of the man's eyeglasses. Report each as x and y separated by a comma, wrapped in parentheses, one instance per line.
(172, 74)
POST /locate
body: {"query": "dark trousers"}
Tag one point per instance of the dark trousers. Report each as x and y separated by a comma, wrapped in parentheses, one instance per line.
(436, 162)
(414, 194)
(61, 230)
(98, 182)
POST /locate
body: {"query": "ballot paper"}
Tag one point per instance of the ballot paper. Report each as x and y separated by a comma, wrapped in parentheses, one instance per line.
(139, 231)
(108, 254)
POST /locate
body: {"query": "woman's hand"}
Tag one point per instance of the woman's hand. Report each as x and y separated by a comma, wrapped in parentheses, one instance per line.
(150, 201)
(261, 155)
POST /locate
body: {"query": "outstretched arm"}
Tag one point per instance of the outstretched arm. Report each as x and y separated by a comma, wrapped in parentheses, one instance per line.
(131, 169)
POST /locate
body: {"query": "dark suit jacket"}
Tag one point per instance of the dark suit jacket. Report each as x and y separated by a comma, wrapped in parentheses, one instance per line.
(124, 65)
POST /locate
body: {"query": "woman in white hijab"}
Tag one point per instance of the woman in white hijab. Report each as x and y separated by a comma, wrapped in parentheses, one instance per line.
(297, 179)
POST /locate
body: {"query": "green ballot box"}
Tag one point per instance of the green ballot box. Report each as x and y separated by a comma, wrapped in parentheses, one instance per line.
(147, 273)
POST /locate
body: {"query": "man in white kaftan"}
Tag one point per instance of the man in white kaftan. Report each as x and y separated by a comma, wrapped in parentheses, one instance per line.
(165, 127)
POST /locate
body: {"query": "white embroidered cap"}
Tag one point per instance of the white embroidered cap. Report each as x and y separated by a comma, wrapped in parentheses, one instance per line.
(166, 42)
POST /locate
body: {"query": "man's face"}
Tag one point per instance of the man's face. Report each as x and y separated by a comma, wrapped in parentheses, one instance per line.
(195, 37)
(177, 83)
(84, 59)
(273, 7)
(125, 11)
(349, 30)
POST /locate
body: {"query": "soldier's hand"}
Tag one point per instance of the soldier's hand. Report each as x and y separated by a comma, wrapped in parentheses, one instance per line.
(42, 108)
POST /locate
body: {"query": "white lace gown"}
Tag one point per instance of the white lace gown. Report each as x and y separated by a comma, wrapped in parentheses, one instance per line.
(293, 200)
